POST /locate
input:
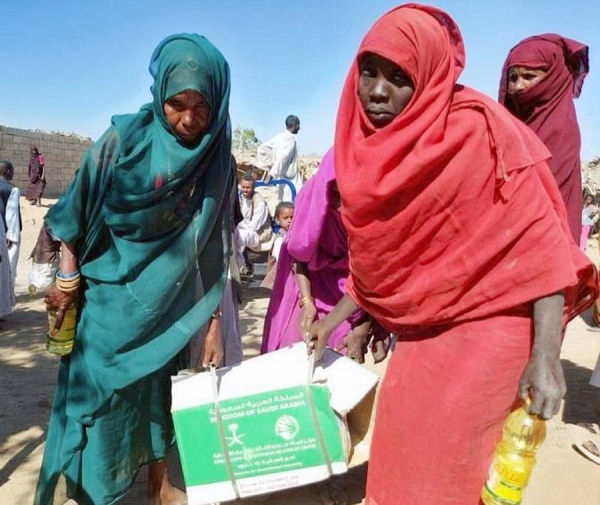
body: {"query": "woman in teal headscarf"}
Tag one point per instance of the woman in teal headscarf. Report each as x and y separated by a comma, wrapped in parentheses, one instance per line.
(146, 222)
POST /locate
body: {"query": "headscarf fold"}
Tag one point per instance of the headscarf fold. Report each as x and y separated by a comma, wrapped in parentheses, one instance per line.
(444, 207)
(317, 237)
(547, 108)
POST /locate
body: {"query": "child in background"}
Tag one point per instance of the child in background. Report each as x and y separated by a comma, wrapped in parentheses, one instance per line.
(284, 213)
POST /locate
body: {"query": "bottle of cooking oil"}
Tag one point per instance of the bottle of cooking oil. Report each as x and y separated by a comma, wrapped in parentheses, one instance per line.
(514, 459)
(61, 341)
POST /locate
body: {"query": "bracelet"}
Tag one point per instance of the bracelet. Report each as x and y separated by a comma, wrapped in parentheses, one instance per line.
(62, 275)
(68, 285)
(217, 314)
(304, 300)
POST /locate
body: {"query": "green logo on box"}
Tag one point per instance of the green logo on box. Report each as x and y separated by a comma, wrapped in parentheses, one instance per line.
(265, 433)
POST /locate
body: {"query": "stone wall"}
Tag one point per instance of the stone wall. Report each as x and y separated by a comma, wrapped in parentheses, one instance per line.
(62, 154)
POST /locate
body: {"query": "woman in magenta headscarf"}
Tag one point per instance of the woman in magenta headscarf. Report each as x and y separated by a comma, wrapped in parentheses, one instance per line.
(541, 77)
(311, 274)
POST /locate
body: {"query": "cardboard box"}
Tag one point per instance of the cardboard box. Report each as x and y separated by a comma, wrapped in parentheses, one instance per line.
(271, 428)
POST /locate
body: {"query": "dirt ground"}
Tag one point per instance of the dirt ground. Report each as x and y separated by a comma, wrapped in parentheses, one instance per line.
(28, 377)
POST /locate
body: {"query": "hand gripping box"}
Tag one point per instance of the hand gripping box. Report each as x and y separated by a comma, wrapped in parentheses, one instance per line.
(268, 424)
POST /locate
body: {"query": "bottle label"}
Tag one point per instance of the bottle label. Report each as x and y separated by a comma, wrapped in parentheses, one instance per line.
(68, 328)
(506, 483)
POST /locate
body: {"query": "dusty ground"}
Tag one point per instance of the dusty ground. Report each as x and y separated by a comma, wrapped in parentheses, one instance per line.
(28, 376)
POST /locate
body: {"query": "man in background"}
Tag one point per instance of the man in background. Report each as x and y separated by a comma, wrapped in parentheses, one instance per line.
(280, 156)
(10, 215)
(255, 228)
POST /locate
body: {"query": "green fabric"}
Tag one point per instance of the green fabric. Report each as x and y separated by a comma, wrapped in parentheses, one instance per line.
(147, 215)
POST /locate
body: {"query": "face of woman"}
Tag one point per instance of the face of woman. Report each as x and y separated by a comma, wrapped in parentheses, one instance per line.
(188, 114)
(522, 78)
(384, 89)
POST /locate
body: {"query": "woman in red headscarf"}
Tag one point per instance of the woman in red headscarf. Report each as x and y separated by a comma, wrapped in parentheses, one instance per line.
(541, 77)
(450, 210)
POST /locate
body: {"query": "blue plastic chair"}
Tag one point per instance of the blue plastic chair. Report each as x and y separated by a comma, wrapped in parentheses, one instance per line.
(277, 182)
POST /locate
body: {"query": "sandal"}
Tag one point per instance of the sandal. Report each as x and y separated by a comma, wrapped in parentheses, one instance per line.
(591, 427)
(590, 450)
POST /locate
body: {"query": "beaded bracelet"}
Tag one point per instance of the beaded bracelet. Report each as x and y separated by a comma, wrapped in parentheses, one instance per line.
(63, 275)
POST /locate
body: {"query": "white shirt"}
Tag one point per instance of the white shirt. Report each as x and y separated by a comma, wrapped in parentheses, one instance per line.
(280, 154)
(13, 224)
(255, 216)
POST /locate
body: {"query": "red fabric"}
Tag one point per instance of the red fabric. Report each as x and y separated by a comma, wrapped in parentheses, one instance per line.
(445, 207)
(435, 435)
(548, 109)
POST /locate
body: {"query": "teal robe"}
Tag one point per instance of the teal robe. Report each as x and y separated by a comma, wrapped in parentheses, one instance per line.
(147, 215)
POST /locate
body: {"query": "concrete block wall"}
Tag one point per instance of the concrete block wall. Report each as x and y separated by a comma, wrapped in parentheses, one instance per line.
(62, 154)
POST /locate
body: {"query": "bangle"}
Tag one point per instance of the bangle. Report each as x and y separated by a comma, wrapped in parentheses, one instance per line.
(62, 275)
(217, 314)
(68, 285)
(304, 300)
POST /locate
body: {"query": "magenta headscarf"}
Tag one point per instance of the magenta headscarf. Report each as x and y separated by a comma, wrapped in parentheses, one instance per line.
(548, 109)
(317, 238)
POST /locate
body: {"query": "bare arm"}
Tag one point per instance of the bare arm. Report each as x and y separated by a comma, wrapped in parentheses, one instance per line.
(68, 259)
(213, 342)
(543, 379)
(309, 309)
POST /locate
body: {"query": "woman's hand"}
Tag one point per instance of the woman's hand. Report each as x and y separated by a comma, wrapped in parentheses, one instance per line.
(356, 342)
(543, 381)
(213, 344)
(320, 331)
(307, 317)
(58, 301)
(318, 335)
(380, 348)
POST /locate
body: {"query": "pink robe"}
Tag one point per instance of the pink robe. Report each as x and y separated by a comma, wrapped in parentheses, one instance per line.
(318, 239)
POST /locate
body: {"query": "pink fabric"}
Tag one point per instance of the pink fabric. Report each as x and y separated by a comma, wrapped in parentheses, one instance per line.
(585, 235)
(318, 239)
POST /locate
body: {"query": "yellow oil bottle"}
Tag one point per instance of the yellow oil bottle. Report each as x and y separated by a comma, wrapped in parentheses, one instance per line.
(61, 341)
(514, 459)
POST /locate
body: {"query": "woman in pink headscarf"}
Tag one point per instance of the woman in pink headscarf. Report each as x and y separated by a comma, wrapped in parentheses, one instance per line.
(541, 77)
(311, 274)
